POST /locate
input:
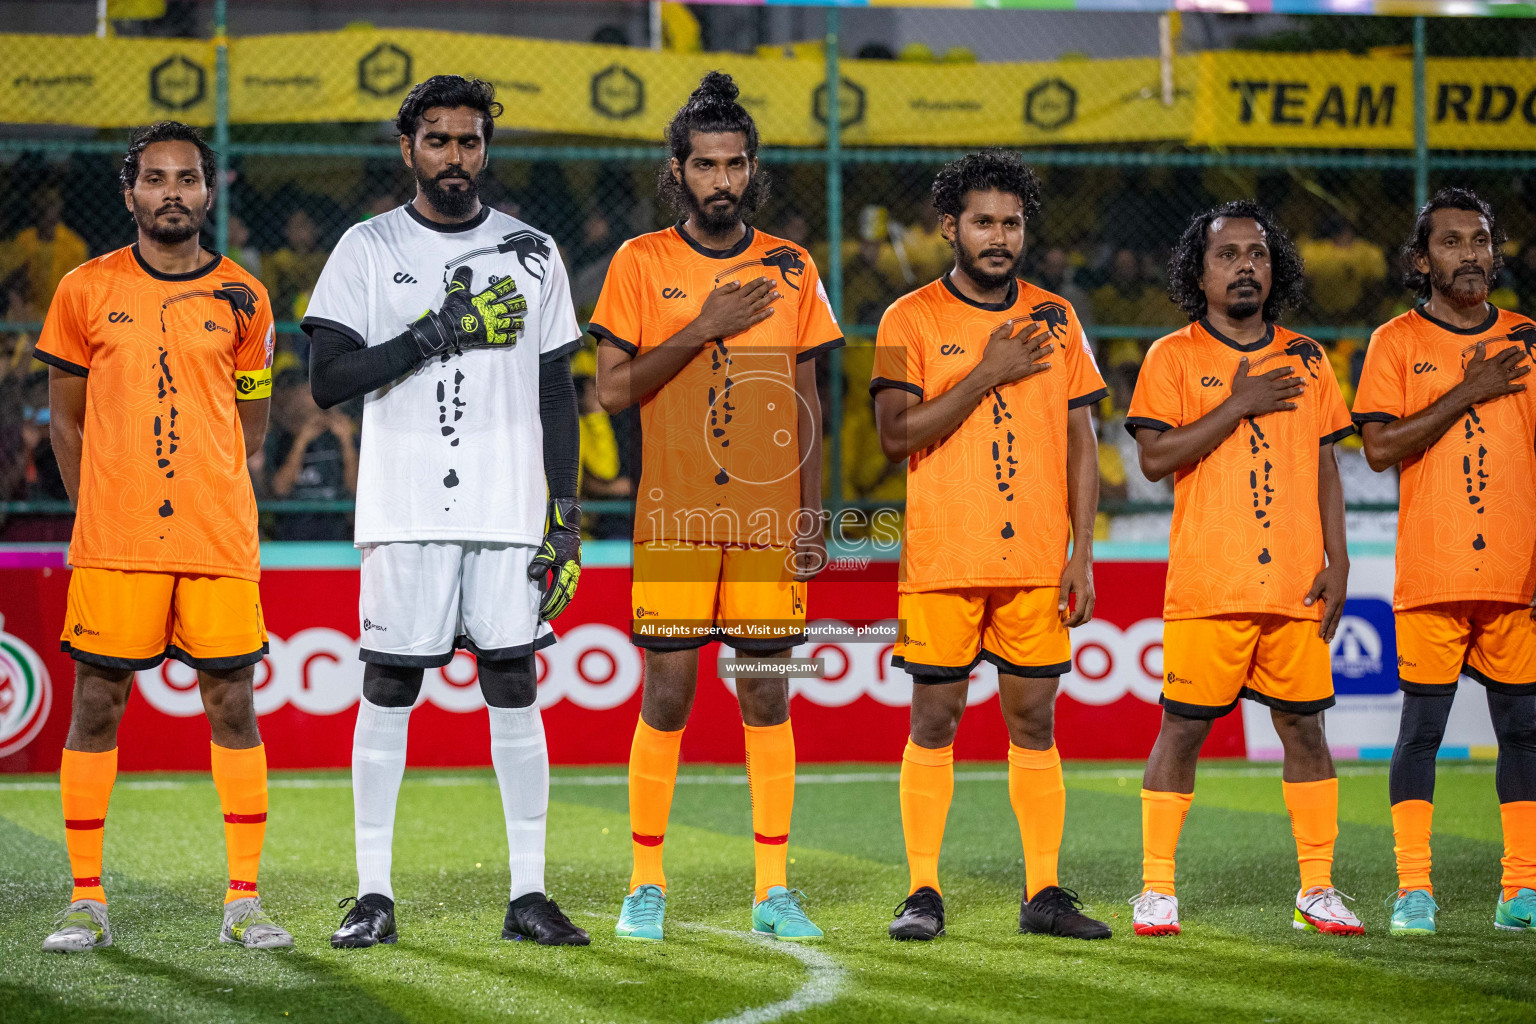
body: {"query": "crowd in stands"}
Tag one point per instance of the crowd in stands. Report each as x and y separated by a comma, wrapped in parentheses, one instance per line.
(1104, 251)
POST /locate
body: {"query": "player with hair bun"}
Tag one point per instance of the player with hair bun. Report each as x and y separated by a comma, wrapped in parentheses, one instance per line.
(713, 327)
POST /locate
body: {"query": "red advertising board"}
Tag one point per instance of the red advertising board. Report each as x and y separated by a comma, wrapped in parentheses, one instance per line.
(307, 688)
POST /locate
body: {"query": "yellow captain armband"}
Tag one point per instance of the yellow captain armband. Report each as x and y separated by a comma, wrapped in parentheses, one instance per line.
(253, 384)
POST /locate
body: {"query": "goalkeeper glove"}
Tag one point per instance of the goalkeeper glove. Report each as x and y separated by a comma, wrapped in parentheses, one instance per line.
(492, 318)
(559, 556)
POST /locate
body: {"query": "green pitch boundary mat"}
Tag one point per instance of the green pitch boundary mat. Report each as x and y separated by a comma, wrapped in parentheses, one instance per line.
(1238, 960)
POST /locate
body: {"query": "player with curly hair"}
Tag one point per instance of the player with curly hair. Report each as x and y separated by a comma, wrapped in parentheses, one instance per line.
(1244, 414)
(983, 384)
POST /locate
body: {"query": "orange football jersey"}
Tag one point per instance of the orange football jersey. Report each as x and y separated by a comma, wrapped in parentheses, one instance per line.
(1247, 537)
(163, 482)
(987, 505)
(1466, 529)
(721, 457)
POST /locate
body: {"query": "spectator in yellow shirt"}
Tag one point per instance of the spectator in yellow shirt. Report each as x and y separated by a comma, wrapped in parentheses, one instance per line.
(1128, 297)
(34, 262)
(1345, 273)
(291, 272)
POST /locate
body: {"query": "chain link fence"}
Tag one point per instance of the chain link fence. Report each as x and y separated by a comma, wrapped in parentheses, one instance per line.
(1136, 121)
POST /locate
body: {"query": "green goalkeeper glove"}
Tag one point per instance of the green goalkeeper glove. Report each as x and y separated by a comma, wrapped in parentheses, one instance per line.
(492, 318)
(557, 566)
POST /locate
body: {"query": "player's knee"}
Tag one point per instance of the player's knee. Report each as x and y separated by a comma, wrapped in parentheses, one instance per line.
(1182, 736)
(936, 711)
(1033, 727)
(763, 702)
(1422, 725)
(1514, 722)
(1301, 734)
(509, 683)
(391, 686)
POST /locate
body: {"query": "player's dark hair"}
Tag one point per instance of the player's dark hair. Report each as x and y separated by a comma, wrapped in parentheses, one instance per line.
(986, 171)
(1187, 264)
(1449, 198)
(167, 131)
(711, 109)
(448, 91)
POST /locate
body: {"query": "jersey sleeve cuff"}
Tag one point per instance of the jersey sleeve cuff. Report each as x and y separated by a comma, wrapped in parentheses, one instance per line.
(1373, 417)
(564, 350)
(826, 346)
(602, 333)
(1088, 399)
(1336, 436)
(61, 363)
(309, 323)
(1132, 423)
(881, 383)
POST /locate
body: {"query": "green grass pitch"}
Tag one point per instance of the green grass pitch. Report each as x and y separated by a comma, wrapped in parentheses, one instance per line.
(1238, 960)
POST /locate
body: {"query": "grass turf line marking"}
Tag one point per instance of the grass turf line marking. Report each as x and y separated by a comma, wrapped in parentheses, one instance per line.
(343, 782)
(823, 986)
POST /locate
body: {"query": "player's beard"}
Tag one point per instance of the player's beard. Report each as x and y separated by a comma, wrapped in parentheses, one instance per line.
(1246, 306)
(149, 224)
(969, 266)
(1463, 287)
(714, 220)
(455, 203)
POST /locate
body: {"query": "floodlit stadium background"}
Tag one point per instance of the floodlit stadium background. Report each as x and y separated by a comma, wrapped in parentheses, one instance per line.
(1134, 120)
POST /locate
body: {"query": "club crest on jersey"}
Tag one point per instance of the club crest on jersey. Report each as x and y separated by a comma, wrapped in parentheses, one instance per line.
(1308, 351)
(1053, 315)
(783, 258)
(531, 248)
(241, 299)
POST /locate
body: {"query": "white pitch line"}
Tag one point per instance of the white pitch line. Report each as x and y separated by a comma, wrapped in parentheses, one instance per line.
(823, 986)
(828, 778)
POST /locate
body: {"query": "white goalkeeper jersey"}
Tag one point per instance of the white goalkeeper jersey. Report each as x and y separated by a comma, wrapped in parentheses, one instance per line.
(454, 451)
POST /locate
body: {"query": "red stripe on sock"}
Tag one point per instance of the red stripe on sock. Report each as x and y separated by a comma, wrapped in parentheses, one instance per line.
(648, 840)
(85, 824)
(87, 883)
(245, 819)
(770, 840)
(242, 886)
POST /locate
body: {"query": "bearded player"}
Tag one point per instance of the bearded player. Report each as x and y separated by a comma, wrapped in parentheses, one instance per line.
(1442, 395)
(713, 327)
(983, 383)
(470, 417)
(1244, 414)
(159, 379)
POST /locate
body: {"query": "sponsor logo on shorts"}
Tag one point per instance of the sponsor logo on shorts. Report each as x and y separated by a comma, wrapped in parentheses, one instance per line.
(641, 611)
(369, 624)
(1171, 679)
(82, 631)
(1403, 662)
(26, 693)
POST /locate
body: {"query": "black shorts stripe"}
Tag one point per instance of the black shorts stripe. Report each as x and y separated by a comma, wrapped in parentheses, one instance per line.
(1499, 686)
(922, 673)
(1027, 671)
(464, 643)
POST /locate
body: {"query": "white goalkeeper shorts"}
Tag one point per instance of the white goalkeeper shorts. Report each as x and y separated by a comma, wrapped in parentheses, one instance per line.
(419, 601)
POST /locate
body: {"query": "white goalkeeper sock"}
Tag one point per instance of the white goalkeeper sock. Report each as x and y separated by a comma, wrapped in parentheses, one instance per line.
(521, 759)
(378, 762)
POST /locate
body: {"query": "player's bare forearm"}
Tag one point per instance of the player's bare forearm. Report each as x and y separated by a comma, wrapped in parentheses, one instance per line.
(1082, 480)
(1166, 451)
(1387, 444)
(253, 423)
(66, 426)
(623, 379)
(909, 424)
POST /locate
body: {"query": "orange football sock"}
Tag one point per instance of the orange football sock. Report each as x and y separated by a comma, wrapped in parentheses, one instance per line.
(1519, 819)
(771, 783)
(1039, 797)
(1314, 808)
(1410, 832)
(927, 787)
(85, 783)
(240, 776)
(652, 777)
(1162, 819)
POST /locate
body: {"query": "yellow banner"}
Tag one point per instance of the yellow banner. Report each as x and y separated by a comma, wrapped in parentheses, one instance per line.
(1343, 101)
(1225, 98)
(105, 83)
